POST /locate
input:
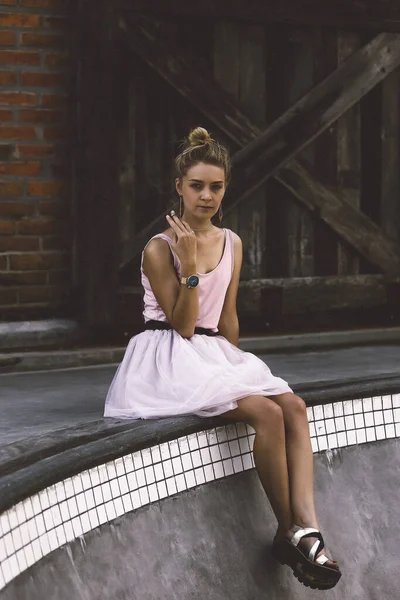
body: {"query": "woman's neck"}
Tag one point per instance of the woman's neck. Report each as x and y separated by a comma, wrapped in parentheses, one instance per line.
(198, 225)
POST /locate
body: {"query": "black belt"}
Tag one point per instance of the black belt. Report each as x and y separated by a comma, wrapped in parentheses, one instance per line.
(163, 325)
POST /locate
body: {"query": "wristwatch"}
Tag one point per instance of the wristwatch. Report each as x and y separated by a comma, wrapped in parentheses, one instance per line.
(191, 282)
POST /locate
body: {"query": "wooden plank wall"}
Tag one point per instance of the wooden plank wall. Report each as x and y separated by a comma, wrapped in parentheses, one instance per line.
(389, 155)
(240, 68)
(297, 79)
(266, 69)
(349, 153)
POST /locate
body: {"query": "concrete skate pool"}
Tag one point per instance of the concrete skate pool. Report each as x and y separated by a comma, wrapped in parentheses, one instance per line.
(174, 509)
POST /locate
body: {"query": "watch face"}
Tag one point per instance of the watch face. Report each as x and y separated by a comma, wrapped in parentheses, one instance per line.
(192, 281)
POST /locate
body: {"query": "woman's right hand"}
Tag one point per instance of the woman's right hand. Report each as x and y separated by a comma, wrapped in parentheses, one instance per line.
(185, 242)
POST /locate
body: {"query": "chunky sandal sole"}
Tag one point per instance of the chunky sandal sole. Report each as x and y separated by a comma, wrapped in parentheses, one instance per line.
(309, 573)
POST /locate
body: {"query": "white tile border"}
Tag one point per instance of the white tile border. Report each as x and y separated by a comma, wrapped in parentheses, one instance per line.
(62, 512)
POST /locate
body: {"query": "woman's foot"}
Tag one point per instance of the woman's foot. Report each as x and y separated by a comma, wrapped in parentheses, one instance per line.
(303, 550)
(305, 544)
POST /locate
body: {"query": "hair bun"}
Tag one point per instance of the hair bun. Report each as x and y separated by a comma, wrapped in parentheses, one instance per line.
(199, 136)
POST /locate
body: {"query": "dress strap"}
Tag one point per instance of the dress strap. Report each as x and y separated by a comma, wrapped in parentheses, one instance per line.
(165, 237)
(232, 251)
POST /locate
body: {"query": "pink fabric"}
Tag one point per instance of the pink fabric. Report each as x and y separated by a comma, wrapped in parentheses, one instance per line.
(212, 287)
(163, 374)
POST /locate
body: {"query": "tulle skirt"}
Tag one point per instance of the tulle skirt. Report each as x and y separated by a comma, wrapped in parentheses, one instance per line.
(163, 374)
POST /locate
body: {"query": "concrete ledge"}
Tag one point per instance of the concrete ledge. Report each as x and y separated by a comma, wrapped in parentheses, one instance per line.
(18, 362)
(324, 339)
(29, 465)
(37, 334)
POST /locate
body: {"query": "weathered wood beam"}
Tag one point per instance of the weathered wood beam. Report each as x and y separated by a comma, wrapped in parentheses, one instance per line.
(299, 295)
(348, 156)
(306, 294)
(379, 15)
(265, 154)
(145, 37)
(314, 113)
(338, 211)
(390, 158)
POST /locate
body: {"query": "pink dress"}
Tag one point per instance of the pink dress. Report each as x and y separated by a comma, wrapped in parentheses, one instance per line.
(163, 374)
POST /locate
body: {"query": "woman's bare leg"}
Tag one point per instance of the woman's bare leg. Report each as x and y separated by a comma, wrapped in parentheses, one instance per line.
(266, 417)
(300, 459)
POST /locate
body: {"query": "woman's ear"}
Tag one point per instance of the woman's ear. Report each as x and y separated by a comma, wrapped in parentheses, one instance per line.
(178, 185)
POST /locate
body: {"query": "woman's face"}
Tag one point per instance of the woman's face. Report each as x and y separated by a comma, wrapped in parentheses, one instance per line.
(202, 188)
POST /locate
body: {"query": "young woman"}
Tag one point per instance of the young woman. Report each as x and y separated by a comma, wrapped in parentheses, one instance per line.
(187, 359)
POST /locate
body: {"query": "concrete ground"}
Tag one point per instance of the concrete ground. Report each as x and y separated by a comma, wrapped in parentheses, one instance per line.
(40, 402)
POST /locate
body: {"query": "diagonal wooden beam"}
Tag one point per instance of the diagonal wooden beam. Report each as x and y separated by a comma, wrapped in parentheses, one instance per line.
(337, 210)
(265, 153)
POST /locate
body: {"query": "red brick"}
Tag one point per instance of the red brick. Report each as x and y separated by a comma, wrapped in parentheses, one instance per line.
(39, 226)
(55, 132)
(37, 115)
(24, 278)
(28, 151)
(6, 115)
(54, 100)
(36, 261)
(16, 57)
(19, 20)
(18, 244)
(45, 188)
(42, 40)
(42, 293)
(57, 59)
(3, 262)
(8, 78)
(54, 242)
(10, 188)
(9, 2)
(6, 151)
(43, 79)
(21, 168)
(17, 209)
(8, 38)
(44, 3)
(55, 208)
(8, 297)
(17, 132)
(18, 98)
(7, 227)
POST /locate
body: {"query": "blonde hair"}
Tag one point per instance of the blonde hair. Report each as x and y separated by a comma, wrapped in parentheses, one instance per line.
(201, 147)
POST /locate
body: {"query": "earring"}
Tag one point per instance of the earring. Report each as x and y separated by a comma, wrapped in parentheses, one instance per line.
(180, 207)
(220, 213)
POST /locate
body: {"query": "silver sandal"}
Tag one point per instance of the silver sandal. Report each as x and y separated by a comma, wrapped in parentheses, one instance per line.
(310, 571)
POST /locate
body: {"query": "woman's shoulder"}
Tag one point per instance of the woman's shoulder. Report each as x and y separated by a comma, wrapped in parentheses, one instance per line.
(169, 232)
(157, 245)
(156, 240)
(235, 237)
(156, 252)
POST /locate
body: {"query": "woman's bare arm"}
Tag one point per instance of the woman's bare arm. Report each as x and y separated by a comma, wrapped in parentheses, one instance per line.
(228, 324)
(179, 303)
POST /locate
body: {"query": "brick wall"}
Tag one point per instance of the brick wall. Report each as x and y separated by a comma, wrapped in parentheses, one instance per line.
(34, 165)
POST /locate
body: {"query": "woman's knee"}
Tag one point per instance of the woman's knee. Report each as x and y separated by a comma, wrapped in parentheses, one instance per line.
(293, 407)
(263, 412)
(297, 405)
